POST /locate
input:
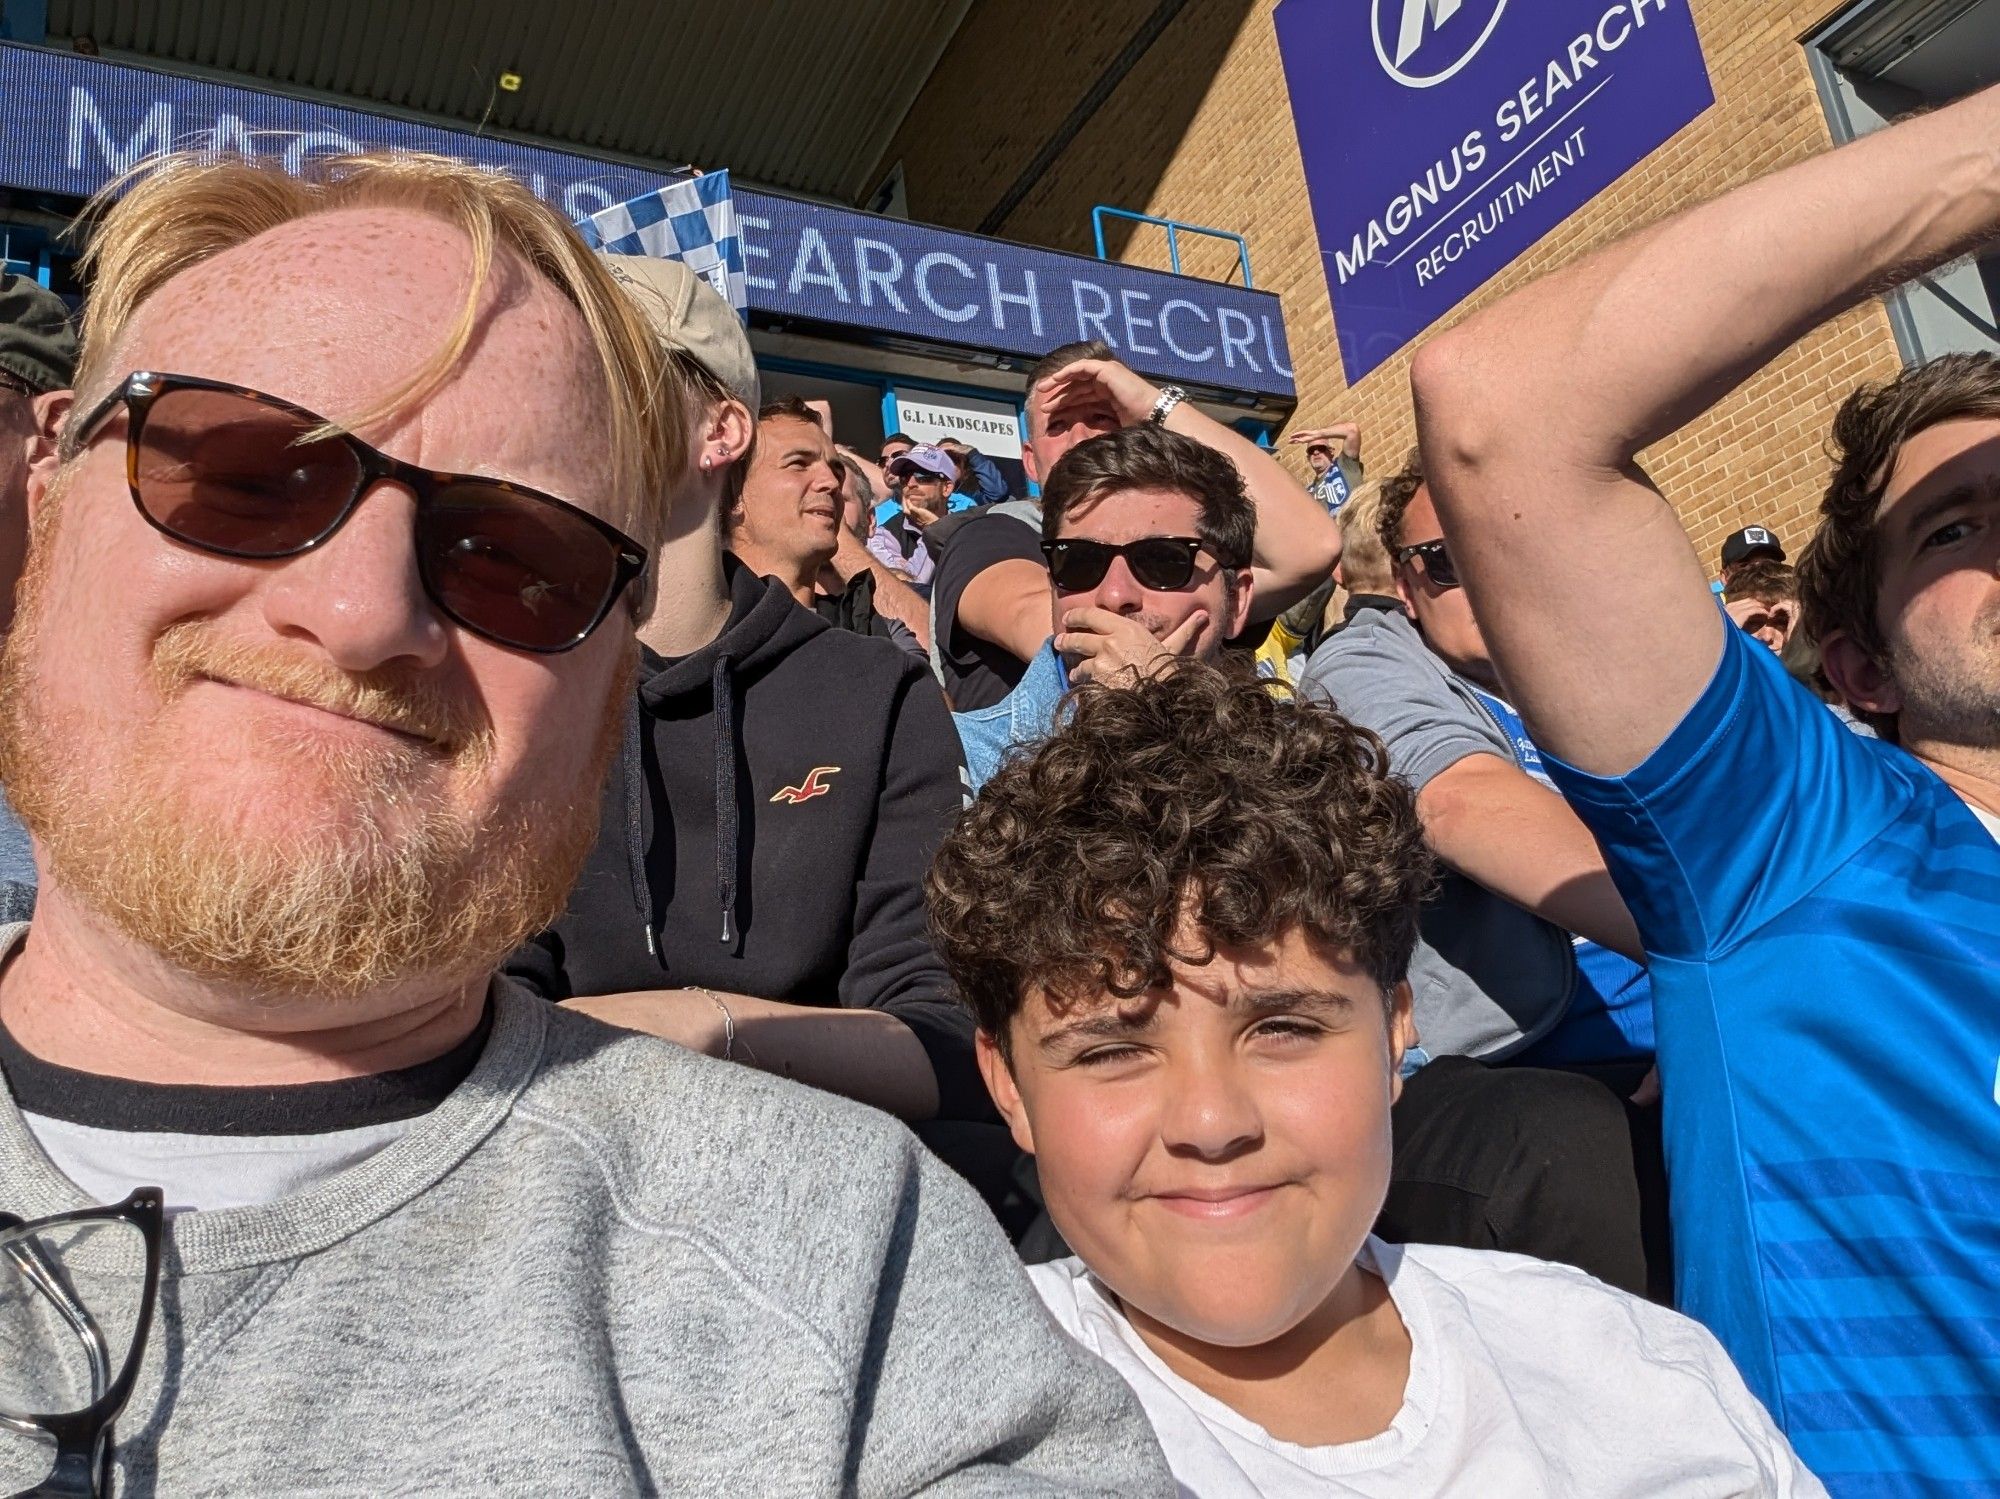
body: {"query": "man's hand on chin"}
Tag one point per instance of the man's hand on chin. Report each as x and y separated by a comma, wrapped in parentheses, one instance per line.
(1115, 648)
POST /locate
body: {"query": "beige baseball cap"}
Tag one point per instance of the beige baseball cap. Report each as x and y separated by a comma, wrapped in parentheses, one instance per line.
(688, 316)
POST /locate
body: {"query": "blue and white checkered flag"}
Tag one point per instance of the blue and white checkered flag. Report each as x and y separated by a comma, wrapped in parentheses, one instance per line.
(692, 221)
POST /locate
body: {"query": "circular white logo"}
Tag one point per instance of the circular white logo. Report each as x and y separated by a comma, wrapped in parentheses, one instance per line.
(1404, 32)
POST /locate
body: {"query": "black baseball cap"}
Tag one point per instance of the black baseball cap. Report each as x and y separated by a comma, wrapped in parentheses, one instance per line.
(37, 345)
(1751, 541)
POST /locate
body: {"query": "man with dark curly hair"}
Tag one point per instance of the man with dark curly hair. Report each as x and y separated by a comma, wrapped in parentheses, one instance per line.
(1184, 924)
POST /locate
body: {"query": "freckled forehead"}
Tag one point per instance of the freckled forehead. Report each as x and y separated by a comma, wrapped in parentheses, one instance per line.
(336, 310)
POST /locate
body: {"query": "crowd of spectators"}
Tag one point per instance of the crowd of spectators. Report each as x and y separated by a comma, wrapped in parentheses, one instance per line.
(587, 936)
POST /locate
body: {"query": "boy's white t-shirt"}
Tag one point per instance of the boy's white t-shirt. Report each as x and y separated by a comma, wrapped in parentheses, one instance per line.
(1526, 1378)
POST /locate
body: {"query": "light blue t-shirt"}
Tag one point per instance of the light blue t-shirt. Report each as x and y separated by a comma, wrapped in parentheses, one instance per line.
(1019, 721)
(1822, 919)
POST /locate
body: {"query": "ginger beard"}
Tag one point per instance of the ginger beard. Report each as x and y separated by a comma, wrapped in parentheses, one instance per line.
(405, 883)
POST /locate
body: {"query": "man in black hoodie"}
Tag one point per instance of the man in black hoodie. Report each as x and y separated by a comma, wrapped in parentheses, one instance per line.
(784, 521)
(755, 891)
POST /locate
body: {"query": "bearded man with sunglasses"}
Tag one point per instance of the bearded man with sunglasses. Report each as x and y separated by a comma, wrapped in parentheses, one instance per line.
(322, 650)
(1526, 954)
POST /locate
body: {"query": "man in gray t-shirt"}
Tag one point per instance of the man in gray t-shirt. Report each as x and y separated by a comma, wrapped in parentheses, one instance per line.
(1497, 973)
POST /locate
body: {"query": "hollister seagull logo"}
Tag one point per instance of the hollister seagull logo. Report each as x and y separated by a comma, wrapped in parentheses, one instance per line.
(813, 785)
(1417, 24)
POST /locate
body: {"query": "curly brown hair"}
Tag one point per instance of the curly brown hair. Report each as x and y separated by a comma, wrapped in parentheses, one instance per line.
(1840, 573)
(1196, 793)
(1397, 491)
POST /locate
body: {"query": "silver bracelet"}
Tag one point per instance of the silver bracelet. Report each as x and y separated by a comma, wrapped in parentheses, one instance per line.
(728, 1023)
(1170, 397)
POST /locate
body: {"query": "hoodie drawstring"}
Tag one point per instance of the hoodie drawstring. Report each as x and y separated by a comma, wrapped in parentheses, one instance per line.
(722, 682)
(724, 687)
(635, 825)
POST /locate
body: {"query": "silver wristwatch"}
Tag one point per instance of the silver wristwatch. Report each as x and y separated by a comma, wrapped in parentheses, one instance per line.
(1170, 397)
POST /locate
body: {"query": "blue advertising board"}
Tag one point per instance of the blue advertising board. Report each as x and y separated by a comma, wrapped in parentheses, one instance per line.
(71, 123)
(1443, 138)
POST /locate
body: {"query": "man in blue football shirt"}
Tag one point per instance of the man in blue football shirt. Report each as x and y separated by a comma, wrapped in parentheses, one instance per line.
(1820, 911)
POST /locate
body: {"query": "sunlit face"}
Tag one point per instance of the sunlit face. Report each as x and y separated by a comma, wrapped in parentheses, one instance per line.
(1129, 515)
(790, 507)
(926, 496)
(1443, 614)
(161, 696)
(1939, 601)
(1217, 1149)
(1320, 459)
(1770, 621)
(891, 451)
(1054, 430)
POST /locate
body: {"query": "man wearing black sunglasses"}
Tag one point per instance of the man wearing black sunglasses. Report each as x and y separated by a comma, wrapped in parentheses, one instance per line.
(1148, 538)
(324, 644)
(988, 596)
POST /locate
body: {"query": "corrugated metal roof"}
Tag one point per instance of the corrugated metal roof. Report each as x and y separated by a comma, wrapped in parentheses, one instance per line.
(799, 94)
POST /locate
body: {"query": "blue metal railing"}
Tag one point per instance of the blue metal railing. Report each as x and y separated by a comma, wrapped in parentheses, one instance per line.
(1174, 230)
(25, 253)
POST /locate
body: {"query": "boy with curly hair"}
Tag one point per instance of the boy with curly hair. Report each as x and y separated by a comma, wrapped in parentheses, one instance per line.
(1184, 925)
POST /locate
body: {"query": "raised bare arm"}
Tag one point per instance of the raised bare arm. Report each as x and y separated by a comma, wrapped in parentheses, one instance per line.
(1532, 413)
(894, 598)
(1297, 542)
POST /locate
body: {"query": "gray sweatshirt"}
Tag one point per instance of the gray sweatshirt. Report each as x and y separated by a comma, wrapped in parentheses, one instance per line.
(603, 1266)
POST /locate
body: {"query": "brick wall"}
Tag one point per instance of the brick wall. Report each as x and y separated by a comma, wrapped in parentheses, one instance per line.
(1201, 131)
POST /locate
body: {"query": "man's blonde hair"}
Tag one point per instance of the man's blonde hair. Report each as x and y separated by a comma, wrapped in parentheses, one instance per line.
(178, 210)
(1364, 561)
